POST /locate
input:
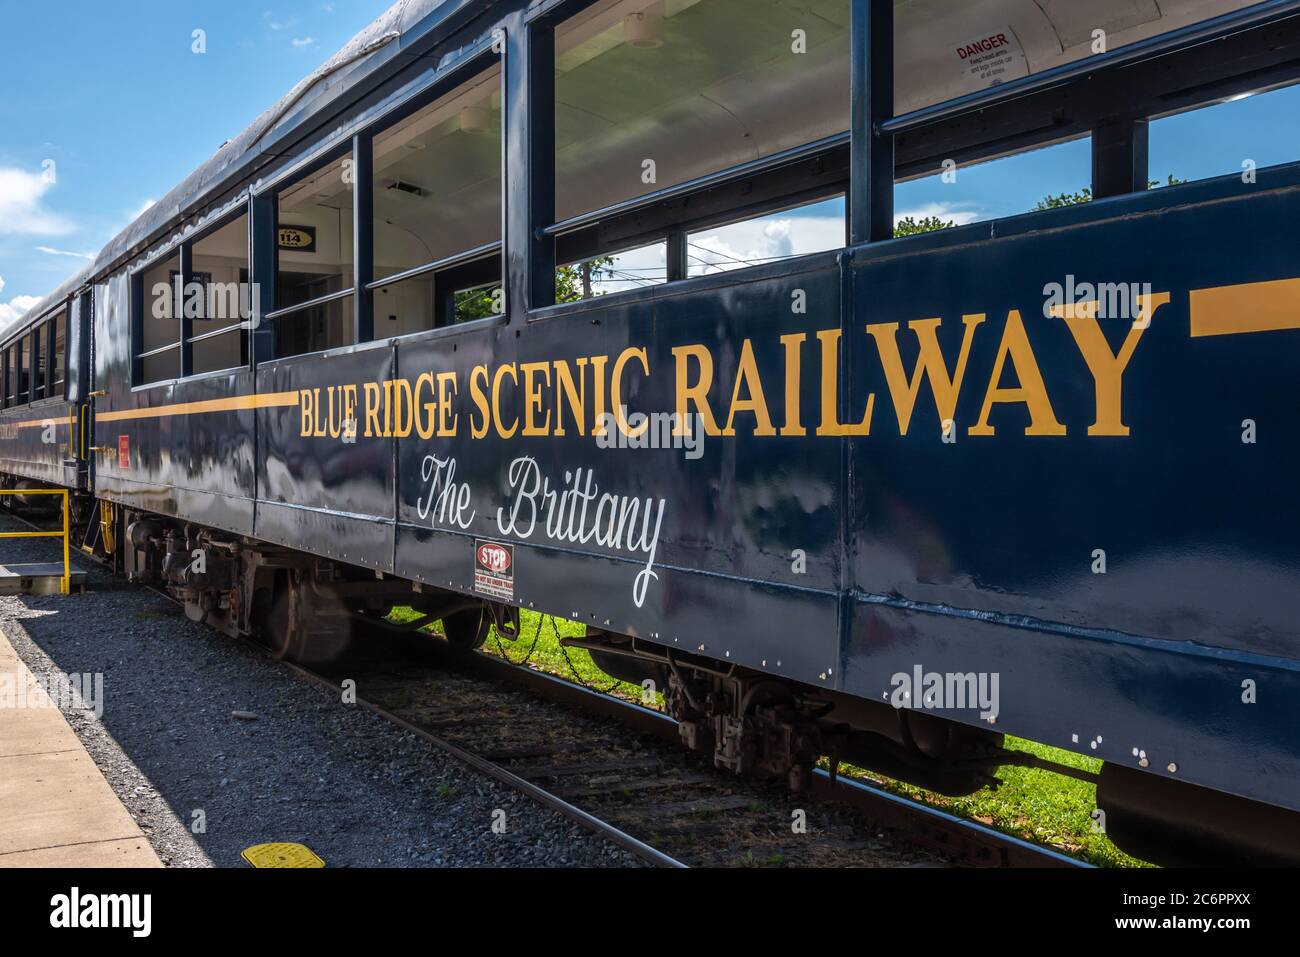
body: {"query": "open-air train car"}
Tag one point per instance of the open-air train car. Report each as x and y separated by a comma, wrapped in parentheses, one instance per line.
(356, 361)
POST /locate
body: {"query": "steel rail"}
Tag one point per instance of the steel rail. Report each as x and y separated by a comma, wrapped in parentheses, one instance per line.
(968, 842)
(594, 824)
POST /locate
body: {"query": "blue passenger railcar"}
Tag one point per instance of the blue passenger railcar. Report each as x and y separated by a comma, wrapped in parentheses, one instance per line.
(882, 501)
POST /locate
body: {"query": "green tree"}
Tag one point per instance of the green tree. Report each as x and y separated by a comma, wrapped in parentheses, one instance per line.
(1084, 195)
(911, 226)
(571, 284)
(576, 282)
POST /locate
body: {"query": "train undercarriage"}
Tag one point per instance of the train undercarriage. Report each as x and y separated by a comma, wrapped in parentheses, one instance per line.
(310, 609)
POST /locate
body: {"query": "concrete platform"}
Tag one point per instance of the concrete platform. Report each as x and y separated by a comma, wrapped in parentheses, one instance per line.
(38, 578)
(56, 809)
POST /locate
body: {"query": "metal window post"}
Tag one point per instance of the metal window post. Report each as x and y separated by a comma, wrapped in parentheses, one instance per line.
(529, 163)
(179, 302)
(138, 307)
(678, 255)
(871, 189)
(363, 232)
(1120, 157)
(263, 244)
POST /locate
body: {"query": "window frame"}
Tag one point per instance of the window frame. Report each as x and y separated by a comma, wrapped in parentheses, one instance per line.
(6, 377)
(135, 280)
(37, 333)
(340, 151)
(355, 139)
(227, 218)
(542, 24)
(183, 250)
(456, 75)
(1119, 148)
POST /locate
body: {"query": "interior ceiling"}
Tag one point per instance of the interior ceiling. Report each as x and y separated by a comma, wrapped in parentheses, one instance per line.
(723, 88)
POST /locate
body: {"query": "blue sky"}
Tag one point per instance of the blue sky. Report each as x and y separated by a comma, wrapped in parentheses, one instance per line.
(114, 95)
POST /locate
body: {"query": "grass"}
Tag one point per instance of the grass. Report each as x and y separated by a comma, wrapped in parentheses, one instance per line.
(1039, 806)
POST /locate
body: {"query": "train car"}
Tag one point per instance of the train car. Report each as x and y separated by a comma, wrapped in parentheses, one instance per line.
(884, 502)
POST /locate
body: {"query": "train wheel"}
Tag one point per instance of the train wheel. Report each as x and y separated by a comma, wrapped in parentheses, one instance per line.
(283, 631)
(467, 630)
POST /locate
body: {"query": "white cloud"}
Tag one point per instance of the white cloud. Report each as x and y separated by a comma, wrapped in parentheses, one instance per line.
(276, 24)
(763, 240)
(303, 41)
(21, 212)
(50, 250)
(959, 213)
(141, 211)
(15, 307)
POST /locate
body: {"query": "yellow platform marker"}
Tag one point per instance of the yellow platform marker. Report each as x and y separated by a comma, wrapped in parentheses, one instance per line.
(281, 855)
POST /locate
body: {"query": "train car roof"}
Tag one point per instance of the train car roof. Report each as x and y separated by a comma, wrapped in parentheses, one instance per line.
(362, 56)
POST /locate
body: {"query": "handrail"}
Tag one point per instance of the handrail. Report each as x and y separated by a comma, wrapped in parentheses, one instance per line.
(65, 583)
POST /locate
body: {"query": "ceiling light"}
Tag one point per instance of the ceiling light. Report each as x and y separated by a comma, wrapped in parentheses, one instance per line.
(645, 31)
(475, 119)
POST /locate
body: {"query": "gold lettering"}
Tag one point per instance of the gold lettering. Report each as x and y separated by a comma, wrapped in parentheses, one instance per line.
(1107, 368)
(496, 399)
(929, 364)
(616, 389)
(1030, 390)
(447, 419)
(533, 397)
(372, 409)
(405, 408)
(747, 375)
(424, 424)
(696, 395)
(478, 395)
(793, 344)
(830, 424)
(574, 393)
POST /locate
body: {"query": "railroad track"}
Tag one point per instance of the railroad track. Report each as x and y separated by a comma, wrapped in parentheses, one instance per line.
(849, 822)
(618, 769)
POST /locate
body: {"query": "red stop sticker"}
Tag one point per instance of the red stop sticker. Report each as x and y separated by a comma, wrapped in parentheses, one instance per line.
(124, 451)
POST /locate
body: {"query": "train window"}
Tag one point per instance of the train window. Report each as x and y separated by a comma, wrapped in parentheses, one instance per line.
(1239, 136)
(24, 369)
(219, 333)
(57, 355)
(11, 376)
(37, 365)
(811, 228)
(437, 207)
(651, 95)
(950, 48)
(600, 275)
(314, 274)
(1057, 175)
(158, 351)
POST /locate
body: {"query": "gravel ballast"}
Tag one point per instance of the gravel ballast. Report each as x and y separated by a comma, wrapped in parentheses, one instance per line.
(200, 733)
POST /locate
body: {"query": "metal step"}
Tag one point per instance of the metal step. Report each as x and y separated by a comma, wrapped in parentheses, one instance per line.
(37, 578)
